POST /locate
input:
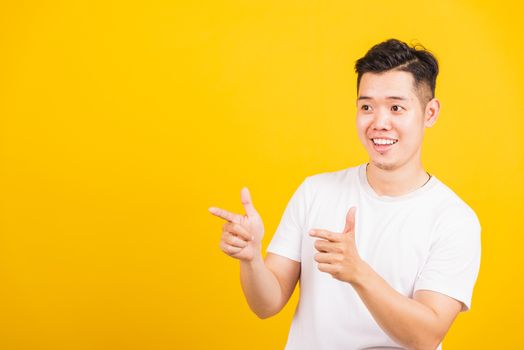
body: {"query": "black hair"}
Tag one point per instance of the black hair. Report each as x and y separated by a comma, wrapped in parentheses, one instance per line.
(394, 54)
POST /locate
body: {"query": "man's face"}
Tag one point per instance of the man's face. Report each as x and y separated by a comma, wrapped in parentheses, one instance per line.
(390, 119)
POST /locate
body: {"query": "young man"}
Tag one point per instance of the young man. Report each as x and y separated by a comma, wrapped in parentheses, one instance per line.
(386, 254)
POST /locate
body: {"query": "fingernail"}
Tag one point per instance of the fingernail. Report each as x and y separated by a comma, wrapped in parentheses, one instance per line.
(311, 232)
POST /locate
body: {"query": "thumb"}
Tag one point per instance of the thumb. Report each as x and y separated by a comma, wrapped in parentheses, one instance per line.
(245, 197)
(350, 220)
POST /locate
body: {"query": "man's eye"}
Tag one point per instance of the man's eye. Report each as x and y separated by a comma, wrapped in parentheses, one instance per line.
(365, 107)
(396, 108)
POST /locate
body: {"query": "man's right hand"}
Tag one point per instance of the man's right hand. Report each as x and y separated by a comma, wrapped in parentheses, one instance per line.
(241, 234)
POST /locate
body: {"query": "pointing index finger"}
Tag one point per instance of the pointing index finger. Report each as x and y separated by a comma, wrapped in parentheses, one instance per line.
(226, 215)
(330, 236)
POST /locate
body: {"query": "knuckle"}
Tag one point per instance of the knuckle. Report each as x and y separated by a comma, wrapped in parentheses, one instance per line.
(237, 229)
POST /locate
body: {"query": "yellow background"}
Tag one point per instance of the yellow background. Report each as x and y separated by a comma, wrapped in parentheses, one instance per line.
(122, 122)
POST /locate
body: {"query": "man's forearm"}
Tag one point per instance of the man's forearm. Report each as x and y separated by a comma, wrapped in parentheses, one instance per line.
(409, 322)
(261, 288)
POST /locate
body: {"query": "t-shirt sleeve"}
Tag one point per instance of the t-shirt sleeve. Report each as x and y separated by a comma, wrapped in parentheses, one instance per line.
(287, 240)
(454, 259)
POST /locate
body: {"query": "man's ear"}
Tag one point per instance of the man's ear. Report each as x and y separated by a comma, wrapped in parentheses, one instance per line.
(431, 112)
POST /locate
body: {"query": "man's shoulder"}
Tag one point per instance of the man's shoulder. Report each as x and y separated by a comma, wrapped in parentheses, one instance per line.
(451, 204)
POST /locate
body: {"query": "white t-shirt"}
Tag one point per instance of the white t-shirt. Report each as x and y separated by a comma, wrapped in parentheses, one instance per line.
(426, 239)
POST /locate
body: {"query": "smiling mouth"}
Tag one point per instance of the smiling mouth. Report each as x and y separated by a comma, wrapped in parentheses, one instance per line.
(384, 142)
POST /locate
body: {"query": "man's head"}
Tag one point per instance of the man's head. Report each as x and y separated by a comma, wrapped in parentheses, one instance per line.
(393, 54)
(396, 86)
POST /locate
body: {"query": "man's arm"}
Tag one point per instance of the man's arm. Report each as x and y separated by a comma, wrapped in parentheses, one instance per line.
(268, 285)
(418, 323)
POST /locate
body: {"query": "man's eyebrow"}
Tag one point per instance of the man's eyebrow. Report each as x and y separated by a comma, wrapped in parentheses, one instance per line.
(401, 98)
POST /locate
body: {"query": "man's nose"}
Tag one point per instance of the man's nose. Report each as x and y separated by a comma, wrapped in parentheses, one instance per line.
(382, 120)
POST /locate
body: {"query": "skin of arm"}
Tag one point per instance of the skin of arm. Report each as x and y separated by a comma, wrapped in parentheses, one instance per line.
(268, 284)
(417, 323)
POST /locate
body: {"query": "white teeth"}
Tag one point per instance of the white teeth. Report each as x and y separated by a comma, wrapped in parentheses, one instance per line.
(384, 141)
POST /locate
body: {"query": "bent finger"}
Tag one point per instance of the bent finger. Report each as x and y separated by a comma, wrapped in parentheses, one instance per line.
(327, 258)
(229, 250)
(235, 241)
(328, 268)
(322, 245)
(238, 230)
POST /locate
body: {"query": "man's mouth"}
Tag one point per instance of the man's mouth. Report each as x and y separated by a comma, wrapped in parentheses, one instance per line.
(384, 141)
(382, 145)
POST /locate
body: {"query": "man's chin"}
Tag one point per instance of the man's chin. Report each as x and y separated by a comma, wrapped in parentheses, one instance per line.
(384, 165)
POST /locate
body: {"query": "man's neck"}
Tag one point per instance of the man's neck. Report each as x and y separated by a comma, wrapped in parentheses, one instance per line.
(398, 181)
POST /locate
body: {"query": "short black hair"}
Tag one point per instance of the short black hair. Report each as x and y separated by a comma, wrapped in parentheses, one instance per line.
(394, 54)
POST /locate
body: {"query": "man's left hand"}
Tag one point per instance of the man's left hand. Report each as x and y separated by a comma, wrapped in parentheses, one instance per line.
(337, 252)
